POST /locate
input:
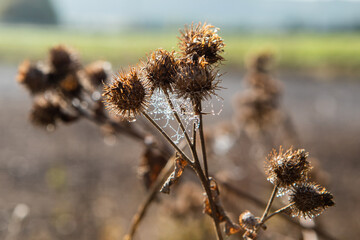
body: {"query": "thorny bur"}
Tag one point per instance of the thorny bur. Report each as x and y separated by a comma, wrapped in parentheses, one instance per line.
(160, 69)
(286, 168)
(128, 95)
(201, 41)
(309, 200)
(196, 81)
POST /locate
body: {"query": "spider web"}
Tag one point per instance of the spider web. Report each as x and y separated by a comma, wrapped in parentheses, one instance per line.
(161, 112)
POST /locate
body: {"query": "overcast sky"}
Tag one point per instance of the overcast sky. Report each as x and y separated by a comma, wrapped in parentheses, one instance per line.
(244, 13)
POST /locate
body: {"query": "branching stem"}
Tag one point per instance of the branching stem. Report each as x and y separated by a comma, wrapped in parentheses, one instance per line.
(268, 206)
(198, 170)
(278, 211)
(164, 174)
(167, 137)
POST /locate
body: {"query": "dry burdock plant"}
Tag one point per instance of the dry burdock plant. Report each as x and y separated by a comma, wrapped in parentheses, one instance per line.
(173, 86)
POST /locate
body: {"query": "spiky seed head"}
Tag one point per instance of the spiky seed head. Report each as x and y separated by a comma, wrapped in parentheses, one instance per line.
(31, 77)
(310, 199)
(62, 59)
(256, 108)
(70, 84)
(45, 112)
(260, 62)
(201, 40)
(98, 72)
(286, 168)
(160, 69)
(247, 220)
(128, 95)
(196, 81)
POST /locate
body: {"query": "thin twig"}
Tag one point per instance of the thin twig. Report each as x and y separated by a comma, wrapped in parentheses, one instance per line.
(202, 141)
(206, 186)
(278, 211)
(268, 206)
(155, 188)
(129, 131)
(194, 135)
(167, 137)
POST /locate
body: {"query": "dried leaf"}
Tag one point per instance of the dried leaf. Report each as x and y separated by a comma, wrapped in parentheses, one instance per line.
(231, 228)
(153, 161)
(180, 165)
(221, 215)
(250, 235)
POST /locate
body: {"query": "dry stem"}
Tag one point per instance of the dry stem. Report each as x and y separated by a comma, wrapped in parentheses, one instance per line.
(278, 211)
(167, 137)
(164, 174)
(197, 168)
(202, 140)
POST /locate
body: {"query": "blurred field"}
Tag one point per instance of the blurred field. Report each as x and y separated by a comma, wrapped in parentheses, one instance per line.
(326, 51)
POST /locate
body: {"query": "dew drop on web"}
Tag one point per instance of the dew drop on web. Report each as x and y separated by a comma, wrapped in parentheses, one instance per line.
(132, 119)
(161, 112)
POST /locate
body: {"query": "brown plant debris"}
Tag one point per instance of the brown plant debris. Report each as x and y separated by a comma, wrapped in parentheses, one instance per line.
(310, 200)
(180, 165)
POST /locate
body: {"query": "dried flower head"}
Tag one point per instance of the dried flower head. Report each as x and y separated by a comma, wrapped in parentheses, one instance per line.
(160, 69)
(46, 113)
(248, 220)
(286, 168)
(309, 200)
(256, 108)
(62, 59)
(31, 77)
(195, 81)
(98, 72)
(128, 95)
(261, 62)
(70, 84)
(201, 40)
(264, 83)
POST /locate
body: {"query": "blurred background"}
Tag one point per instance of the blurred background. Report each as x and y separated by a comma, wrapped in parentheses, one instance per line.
(76, 183)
